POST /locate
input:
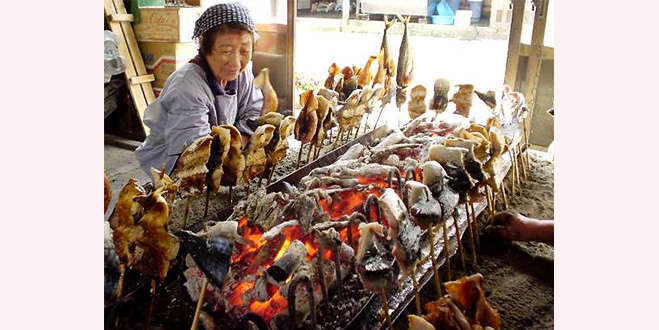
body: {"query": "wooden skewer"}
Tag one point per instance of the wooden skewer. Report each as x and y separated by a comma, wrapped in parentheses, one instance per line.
(208, 199)
(271, 172)
(120, 285)
(230, 194)
(378, 118)
(519, 152)
(329, 138)
(526, 142)
(435, 268)
(366, 123)
(476, 229)
(513, 168)
(383, 294)
(490, 201)
(417, 298)
(200, 302)
(299, 156)
(457, 235)
(471, 234)
(309, 152)
(505, 199)
(153, 299)
(519, 182)
(186, 211)
(447, 249)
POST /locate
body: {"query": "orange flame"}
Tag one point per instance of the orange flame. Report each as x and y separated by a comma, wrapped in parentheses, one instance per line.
(268, 309)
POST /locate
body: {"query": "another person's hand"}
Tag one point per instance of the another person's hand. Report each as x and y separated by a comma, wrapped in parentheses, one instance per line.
(510, 226)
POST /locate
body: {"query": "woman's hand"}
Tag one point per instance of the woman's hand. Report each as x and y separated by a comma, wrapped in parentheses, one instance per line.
(245, 141)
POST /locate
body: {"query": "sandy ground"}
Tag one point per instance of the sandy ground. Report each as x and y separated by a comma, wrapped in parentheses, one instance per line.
(519, 277)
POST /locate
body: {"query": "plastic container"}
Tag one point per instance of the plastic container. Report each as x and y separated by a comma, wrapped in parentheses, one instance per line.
(476, 7)
(462, 18)
(442, 20)
(443, 9)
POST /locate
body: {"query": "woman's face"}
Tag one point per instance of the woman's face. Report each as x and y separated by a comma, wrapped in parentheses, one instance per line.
(230, 54)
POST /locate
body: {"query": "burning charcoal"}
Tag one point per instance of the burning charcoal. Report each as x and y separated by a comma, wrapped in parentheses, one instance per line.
(404, 233)
(276, 230)
(213, 255)
(308, 210)
(288, 263)
(269, 210)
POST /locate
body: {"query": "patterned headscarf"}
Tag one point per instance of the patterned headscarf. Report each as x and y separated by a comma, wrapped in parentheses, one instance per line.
(224, 13)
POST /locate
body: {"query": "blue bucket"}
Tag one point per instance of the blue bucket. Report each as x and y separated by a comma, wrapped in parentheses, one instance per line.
(442, 20)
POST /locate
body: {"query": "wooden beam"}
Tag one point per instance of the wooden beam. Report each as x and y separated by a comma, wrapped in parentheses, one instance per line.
(290, 52)
(121, 17)
(514, 42)
(535, 58)
(547, 52)
(142, 79)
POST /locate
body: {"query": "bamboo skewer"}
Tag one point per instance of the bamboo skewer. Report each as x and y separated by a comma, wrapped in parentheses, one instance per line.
(417, 298)
(435, 268)
(476, 229)
(378, 118)
(200, 302)
(526, 142)
(513, 168)
(457, 235)
(366, 123)
(505, 199)
(309, 152)
(230, 194)
(120, 285)
(271, 172)
(208, 198)
(447, 249)
(471, 234)
(186, 211)
(383, 294)
(153, 299)
(519, 152)
(299, 156)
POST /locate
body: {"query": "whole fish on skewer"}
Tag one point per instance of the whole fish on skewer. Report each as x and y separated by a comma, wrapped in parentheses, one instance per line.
(405, 71)
(440, 98)
(270, 101)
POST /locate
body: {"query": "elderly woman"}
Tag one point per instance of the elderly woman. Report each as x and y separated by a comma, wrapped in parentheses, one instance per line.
(214, 88)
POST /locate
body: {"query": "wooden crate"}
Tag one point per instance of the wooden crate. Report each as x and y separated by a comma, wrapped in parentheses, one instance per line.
(163, 58)
(167, 24)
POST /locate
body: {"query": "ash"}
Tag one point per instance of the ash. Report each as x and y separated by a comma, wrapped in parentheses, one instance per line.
(343, 310)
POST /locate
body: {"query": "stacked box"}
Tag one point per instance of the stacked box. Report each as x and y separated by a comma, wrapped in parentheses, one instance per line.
(165, 40)
(163, 58)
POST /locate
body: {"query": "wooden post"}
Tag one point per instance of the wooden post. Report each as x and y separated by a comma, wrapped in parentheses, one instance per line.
(346, 11)
(290, 52)
(535, 58)
(514, 42)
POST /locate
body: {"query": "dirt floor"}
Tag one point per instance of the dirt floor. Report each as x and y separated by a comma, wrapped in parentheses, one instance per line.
(519, 277)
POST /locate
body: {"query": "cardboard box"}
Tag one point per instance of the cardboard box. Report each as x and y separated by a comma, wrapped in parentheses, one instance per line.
(163, 58)
(167, 24)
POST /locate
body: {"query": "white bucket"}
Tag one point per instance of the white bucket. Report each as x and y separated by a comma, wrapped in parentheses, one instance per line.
(462, 18)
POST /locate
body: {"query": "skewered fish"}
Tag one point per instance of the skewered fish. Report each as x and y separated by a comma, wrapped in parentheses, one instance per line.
(366, 76)
(127, 212)
(425, 210)
(382, 71)
(440, 98)
(405, 71)
(469, 293)
(435, 178)
(419, 323)
(405, 234)
(330, 82)
(191, 167)
(270, 101)
(417, 105)
(463, 99)
(384, 47)
(255, 158)
(489, 98)
(156, 248)
(305, 125)
(373, 264)
(219, 152)
(234, 164)
(322, 112)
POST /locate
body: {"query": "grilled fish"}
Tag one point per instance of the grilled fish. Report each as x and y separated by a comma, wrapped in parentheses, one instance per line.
(405, 58)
